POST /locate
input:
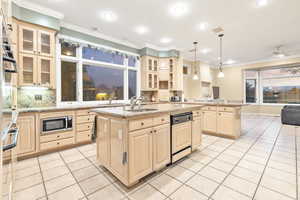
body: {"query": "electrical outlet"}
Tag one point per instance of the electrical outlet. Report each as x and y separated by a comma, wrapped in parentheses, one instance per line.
(38, 97)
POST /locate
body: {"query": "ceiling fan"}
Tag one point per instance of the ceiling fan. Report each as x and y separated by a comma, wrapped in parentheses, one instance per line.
(279, 52)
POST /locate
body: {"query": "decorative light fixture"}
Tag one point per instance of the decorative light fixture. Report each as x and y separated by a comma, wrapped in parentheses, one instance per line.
(141, 29)
(221, 73)
(179, 9)
(261, 3)
(108, 15)
(165, 40)
(203, 26)
(195, 76)
(278, 52)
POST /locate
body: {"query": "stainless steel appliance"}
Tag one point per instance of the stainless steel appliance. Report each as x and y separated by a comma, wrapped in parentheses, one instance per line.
(175, 99)
(181, 135)
(50, 125)
(8, 114)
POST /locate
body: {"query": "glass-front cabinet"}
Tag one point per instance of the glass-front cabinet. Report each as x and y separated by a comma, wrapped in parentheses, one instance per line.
(149, 73)
(36, 55)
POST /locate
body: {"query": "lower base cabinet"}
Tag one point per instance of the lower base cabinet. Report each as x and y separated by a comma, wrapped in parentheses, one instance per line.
(26, 140)
(161, 146)
(196, 133)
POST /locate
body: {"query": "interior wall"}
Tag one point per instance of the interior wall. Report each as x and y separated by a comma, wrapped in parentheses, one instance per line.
(232, 85)
(191, 88)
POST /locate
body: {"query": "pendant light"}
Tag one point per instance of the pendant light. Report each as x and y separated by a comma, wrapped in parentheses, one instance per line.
(221, 73)
(195, 76)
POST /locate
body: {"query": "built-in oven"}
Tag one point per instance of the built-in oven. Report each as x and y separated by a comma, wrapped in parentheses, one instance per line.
(181, 135)
(50, 125)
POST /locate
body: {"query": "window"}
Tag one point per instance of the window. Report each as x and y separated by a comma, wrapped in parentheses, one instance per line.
(100, 83)
(132, 83)
(273, 86)
(251, 86)
(96, 74)
(68, 81)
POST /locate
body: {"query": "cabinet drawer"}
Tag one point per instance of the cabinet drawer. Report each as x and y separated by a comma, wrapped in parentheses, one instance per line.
(196, 113)
(56, 144)
(83, 112)
(209, 108)
(84, 136)
(225, 109)
(84, 127)
(139, 124)
(161, 120)
(85, 119)
(56, 136)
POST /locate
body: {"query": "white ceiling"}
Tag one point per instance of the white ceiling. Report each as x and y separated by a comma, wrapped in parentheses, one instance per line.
(251, 32)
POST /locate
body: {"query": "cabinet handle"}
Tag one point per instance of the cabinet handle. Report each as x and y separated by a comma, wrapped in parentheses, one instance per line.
(57, 143)
(142, 123)
(162, 120)
(154, 131)
(57, 136)
(151, 131)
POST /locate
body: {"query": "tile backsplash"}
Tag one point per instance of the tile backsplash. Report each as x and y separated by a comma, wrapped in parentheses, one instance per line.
(36, 97)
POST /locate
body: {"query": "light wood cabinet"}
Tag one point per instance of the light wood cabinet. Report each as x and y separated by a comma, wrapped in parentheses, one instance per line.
(196, 133)
(209, 121)
(140, 154)
(36, 55)
(161, 146)
(27, 131)
(149, 73)
(103, 141)
(225, 122)
(181, 136)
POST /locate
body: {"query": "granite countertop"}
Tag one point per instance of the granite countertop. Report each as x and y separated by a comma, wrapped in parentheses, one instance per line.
(159, 108)
(229, 104)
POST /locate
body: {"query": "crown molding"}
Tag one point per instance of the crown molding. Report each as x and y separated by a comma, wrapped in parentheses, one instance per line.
(37, 8)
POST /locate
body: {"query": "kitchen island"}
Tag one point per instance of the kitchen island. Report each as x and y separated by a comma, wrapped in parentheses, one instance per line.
(132, 144)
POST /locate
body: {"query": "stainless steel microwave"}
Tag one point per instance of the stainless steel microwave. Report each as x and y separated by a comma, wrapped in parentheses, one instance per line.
(56, 124)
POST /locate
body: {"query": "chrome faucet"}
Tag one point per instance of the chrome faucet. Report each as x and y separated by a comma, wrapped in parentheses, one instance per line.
(136, 101)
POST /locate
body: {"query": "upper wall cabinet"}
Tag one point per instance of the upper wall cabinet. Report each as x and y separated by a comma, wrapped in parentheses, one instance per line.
(36, 54)
(35, 41)
(205, 73)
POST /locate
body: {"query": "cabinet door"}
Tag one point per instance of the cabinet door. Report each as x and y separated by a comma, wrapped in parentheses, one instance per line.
(103, 141)
(46, 43)
(117, 148)
(28, 69)
(149, 81)
(196, 133)
(209, 121)
(46, 71)
(27, 40)
(225, 123)
(181, 136)
(26, 139)
(155, 81)
(140, 154)
(161, 146)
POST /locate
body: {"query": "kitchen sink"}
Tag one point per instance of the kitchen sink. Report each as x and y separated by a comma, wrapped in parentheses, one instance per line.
(141, 110)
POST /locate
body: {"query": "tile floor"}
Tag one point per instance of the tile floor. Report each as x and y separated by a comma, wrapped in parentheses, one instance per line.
(261, 165)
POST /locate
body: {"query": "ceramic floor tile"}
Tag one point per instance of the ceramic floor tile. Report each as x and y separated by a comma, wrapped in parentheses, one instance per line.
(27, 172)
(265, 194)
(246, 174)
(279, 186)
(191, 165)
(78, 164)
(73, 158)
(35, 192)
(59, 183)
(180, 173)
(213, 174)
(55, 172)
(28, 181)
(165, 184)
(32, 162)
(280, 175)
(202, 184)
(51, 164)
(85, 173)
(110, 192)
(256, 159)
(71, 193)
(221, 165)
(147, 193)
(224, 193)
(187, 193)
(251, 166)
(240, 185)
(94, 183)
(201, 158)
(282, 166)
(49, 157)
(129, 190)
(228, 158)
(69, 152)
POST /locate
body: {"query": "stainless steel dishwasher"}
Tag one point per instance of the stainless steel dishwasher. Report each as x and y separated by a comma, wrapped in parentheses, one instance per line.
(181, 135)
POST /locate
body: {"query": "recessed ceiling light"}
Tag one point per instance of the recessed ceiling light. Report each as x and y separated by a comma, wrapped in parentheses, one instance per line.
(141, 29)
(203, 26)
(261, 3)
(230, 61)
(108, 15)
(205, 51)
(179, 9)
(165, 40)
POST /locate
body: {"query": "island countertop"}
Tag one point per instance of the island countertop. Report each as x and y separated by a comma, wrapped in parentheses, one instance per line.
(159, 108)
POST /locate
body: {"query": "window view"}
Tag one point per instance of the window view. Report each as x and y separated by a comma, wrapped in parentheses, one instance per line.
(100, 83)
(68, 81)
(68, 49)
(132, 83)
(132, 61)
(102, 55)
(251, 86)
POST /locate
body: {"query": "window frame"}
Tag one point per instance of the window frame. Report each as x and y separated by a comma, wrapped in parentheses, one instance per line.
(80, 61)
(259, 89)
